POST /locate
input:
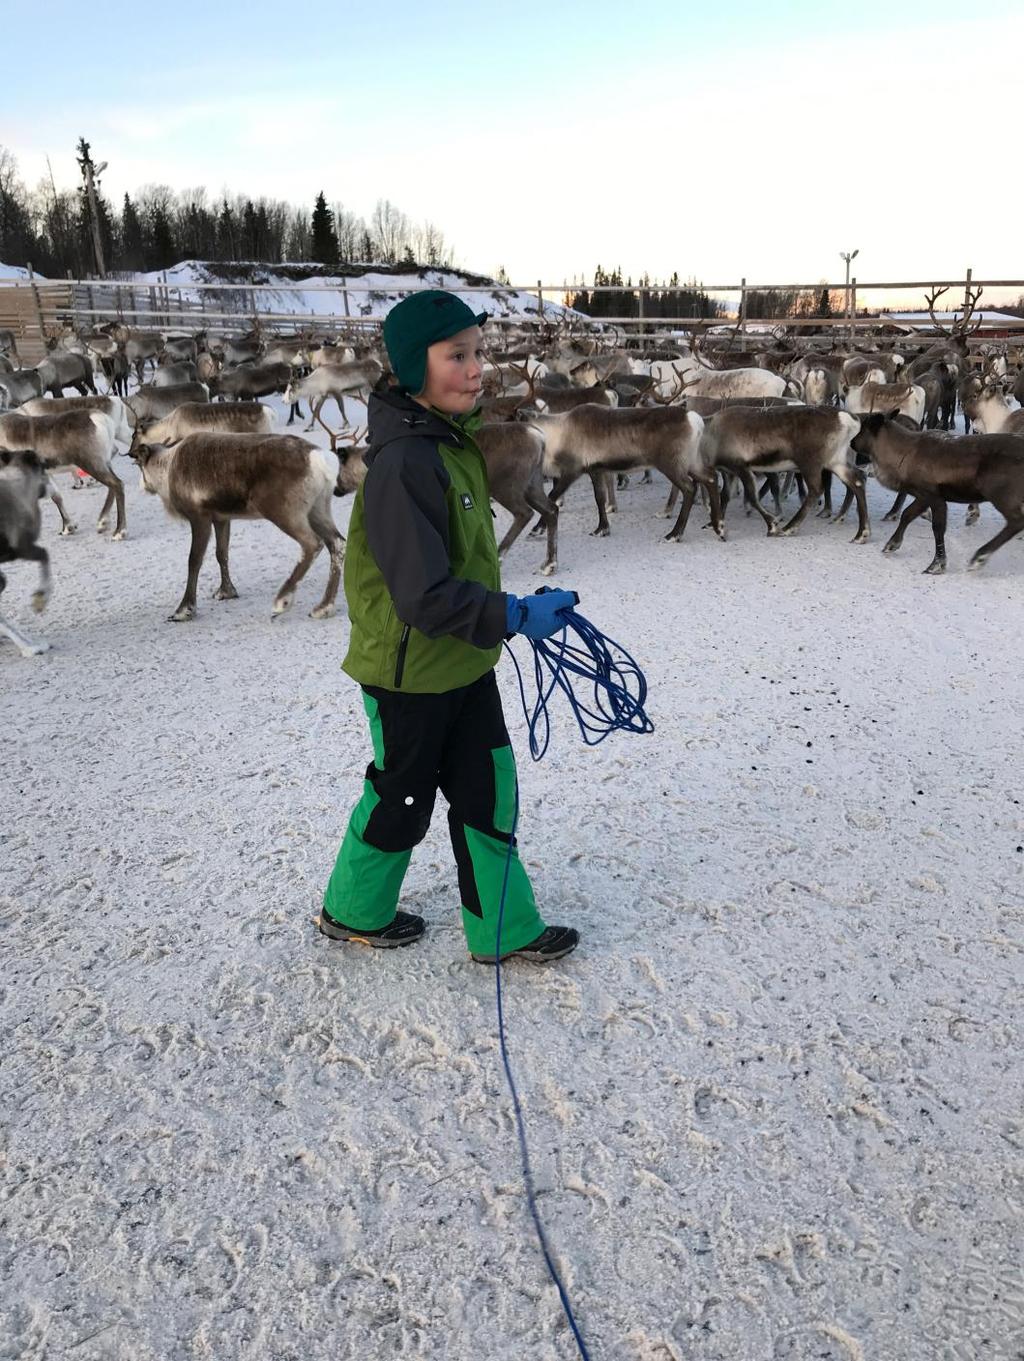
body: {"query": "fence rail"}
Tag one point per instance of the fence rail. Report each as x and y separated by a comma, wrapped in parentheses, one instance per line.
(33, 308)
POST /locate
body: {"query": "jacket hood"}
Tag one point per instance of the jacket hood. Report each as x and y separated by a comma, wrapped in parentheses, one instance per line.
(395, 415)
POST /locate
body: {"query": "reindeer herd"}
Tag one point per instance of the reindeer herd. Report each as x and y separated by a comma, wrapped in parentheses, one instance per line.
(187, 410)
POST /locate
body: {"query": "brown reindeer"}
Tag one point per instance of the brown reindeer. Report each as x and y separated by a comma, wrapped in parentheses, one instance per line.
(938, 468)
(211, 479)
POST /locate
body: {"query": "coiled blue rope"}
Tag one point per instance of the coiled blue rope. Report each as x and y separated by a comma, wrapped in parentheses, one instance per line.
(619, 692)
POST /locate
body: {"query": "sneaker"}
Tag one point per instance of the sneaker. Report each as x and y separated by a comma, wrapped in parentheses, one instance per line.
(552, 943)
(405, 929)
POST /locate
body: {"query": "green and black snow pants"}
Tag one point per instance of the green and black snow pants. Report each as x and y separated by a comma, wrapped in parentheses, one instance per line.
(456, 742)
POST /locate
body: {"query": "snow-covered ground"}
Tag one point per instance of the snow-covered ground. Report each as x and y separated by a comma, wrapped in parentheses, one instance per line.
(774, 1100)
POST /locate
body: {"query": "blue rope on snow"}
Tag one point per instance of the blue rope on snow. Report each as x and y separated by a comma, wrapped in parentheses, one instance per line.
(616, 708)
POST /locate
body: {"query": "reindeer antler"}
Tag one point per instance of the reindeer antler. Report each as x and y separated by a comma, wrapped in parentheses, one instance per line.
(961, 327)
(931, 299)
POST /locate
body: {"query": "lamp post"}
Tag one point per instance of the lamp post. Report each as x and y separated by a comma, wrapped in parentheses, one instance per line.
(848, 256)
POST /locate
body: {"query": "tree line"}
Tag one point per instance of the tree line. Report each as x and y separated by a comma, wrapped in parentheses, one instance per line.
(157, 226)
(655, 300)
(673, 299)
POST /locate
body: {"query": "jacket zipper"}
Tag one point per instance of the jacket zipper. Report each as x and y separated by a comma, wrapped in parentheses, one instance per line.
(403, 645)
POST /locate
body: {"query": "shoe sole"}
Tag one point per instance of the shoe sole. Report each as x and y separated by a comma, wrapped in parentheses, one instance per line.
(376, 942)
(545, 958)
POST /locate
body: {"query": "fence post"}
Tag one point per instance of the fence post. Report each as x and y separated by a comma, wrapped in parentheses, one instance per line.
(540, 304)
(967, 290)
(743, 306)
(853, 307)
(640, 316)
(39, 307)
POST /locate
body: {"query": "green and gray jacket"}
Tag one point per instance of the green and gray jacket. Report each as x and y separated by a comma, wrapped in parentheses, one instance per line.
(421, 563)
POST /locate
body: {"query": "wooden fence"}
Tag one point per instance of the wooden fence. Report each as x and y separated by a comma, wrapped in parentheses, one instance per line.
(32, 309)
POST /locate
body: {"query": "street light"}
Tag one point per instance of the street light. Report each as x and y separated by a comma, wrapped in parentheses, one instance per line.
(848, 256)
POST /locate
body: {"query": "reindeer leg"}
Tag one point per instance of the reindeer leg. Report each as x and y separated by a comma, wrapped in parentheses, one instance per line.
(311, 543)
(115, 493)
(853, 479)
(939, 513)
(561, 486)
(67, 526)
(610, 499)
(597, 478)
(973, 514)
(826, 484)
(550, 563)
(917, 507)
(670, 504)
(201, 530)
(322, 523)
(222, 535)
(314, 412)
(812, 485)
(896, 507)
(749, 486)
(1013, 526)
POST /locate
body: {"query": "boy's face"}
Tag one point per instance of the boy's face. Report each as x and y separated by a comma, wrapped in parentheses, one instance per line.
(454, 370)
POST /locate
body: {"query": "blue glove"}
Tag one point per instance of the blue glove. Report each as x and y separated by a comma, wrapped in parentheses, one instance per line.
(539, 616)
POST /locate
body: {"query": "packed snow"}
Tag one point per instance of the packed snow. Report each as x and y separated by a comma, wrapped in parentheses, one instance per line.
(774, 1099)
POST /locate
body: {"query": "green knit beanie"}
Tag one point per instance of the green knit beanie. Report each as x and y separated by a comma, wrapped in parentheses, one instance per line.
(416, 323)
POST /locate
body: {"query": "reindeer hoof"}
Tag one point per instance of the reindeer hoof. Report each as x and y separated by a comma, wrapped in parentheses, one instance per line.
(548, 569)
(976, 563)
(119, 537)
(182, 614)
(323, 612)
(774, 529)
(890, 547)
(33, 649)
(973, 516)
(225, 593)
(68, 530)
(861, 538)
(282, 603)
(600, 533)
(39, 599)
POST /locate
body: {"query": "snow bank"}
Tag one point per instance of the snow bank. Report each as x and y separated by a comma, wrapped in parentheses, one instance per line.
(774, 1099)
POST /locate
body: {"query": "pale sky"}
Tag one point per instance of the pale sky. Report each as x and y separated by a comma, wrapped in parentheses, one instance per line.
(718, 140)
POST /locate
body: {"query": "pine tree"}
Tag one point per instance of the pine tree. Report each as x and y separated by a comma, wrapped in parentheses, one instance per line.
(132, 252)
(227, 235)
(325, 237)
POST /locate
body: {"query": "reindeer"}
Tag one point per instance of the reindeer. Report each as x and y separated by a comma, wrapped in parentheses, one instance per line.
(152, 403)
(115, 408)
(171, 375)
(514, 454)
(59, 371)
(140, 347)
(249, 381)
(907, 398)
(19, 387)
(211, 479)
(22, 485)
(804, 439)
(196, 418)
(179, 349)
(985, 405)
(938, 468)
(8, 344)
(704, 381)
(71, 439)
(357, 379)
(596, 439)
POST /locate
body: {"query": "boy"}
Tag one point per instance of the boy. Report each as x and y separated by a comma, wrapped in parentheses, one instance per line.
(427, 621)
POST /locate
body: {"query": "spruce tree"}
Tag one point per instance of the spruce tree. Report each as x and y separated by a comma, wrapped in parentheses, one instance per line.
(325, 237)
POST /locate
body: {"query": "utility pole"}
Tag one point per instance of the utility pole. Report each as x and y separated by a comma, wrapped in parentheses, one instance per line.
(90, 173)
(848, 310)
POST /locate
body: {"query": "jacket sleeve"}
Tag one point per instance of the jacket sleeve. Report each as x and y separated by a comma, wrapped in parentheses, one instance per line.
(406, 520)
